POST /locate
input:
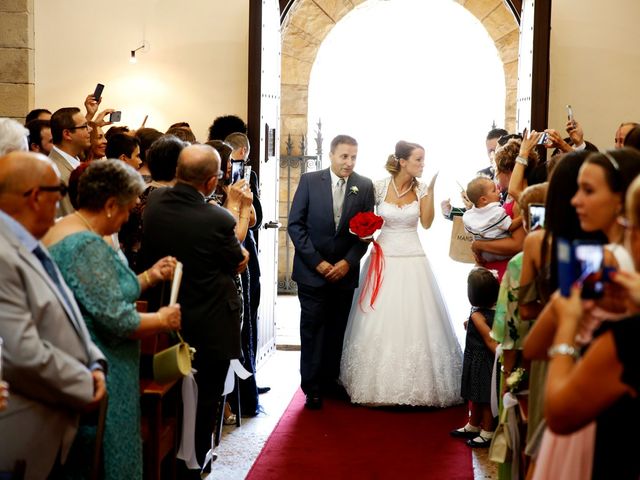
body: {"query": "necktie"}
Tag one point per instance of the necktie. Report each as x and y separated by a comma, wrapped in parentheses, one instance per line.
(338, 200)
(47, 263)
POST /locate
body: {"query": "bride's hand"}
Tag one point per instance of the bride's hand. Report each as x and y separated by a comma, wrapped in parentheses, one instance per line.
(432, 183)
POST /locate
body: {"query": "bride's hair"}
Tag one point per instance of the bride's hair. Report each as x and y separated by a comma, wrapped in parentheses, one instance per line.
(403, 151)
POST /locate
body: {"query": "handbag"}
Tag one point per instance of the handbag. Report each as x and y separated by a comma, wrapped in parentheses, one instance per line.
(460, 247)
(173, 363)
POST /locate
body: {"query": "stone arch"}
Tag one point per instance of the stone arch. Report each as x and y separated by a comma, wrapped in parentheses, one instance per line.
(309, 21)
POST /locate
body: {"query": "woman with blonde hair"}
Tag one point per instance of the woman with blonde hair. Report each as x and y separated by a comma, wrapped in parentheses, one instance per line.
(399, 347)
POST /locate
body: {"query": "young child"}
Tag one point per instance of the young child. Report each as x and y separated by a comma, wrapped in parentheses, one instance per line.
(487, 220)
(479, 352)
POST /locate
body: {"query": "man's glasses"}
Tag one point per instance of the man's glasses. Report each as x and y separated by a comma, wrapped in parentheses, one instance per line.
(79, 127)
(62, 189)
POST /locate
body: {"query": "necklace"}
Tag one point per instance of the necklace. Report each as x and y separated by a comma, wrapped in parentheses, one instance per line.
(398, 194)
(85, 221)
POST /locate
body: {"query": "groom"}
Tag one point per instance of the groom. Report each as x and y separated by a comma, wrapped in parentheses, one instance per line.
(327, 262)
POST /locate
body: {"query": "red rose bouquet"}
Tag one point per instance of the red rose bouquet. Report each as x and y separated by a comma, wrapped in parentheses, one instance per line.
(364, 225)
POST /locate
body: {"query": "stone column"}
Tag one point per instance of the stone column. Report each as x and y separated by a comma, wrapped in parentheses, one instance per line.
(17, 54)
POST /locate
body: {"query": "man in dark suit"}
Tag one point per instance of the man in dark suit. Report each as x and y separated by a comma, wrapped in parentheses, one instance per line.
(326, 265)
(178, 222)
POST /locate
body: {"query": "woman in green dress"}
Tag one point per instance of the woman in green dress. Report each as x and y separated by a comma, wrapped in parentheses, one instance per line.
(106, 290)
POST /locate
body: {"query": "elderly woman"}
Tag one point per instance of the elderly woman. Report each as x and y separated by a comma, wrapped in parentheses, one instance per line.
(106, 290)
(605, 384)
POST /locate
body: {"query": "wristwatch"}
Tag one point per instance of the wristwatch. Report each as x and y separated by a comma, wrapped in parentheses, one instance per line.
(563, 349)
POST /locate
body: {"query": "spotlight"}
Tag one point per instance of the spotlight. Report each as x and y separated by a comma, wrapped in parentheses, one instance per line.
(132, 58)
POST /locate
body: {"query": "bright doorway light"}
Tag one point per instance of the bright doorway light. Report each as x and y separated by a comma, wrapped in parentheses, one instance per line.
(421, 71)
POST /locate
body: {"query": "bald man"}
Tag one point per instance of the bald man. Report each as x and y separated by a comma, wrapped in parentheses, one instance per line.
(53, 368)
(178, 221)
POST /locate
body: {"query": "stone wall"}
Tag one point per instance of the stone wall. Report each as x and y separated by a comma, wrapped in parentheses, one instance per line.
(17, 74)
(307, 24)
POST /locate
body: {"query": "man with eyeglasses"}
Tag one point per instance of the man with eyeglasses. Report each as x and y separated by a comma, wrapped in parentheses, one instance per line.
(53, 369)
(70, 134)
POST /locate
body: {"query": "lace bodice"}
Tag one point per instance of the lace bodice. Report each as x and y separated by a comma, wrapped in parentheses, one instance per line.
(399, 234)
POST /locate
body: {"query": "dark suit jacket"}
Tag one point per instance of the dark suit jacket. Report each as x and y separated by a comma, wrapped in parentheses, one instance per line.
(178, 222)
(313, 231)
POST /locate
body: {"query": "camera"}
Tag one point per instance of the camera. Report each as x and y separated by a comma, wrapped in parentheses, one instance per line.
(543, 138)
(536, 216)
(582, 262)
(237, 171)
(115, 116)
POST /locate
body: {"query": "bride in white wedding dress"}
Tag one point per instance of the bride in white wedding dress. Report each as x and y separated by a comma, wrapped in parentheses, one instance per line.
(403, 350)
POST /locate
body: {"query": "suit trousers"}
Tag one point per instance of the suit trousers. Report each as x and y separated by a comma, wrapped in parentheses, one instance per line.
(324, 312)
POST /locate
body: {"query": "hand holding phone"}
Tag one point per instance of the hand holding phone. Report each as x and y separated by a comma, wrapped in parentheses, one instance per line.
(115, 116)
(581, 262)
(543, 138)
(237, 171)
(97, 93)
(569, 113)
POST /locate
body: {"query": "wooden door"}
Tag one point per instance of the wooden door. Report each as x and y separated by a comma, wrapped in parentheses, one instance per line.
(264, 118)
(533, 65)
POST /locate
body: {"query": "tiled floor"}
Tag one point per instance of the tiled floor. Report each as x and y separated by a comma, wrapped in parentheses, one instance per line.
(240, 446)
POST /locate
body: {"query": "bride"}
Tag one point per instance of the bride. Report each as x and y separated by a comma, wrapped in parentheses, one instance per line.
(402, 350)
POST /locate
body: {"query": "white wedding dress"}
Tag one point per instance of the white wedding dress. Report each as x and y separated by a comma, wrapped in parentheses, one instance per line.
(403, 351)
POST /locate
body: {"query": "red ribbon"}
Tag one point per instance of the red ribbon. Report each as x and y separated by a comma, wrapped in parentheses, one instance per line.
(374, 275)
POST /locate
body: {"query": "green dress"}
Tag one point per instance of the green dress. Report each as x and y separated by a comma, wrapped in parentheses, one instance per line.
(106, 290)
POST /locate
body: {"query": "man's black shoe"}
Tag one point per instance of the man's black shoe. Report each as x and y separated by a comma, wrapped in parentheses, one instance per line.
(314, 402)
(262, 390)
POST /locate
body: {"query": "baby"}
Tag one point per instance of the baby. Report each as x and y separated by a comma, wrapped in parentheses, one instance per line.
(487, 220)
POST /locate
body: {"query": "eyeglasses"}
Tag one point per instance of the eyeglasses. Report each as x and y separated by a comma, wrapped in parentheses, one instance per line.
(79, 127)
(62, 189)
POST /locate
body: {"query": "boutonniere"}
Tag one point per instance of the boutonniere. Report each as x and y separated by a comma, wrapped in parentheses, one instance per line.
(353, 190)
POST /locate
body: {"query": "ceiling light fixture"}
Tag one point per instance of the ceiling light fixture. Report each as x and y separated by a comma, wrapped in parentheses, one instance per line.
(133, 58)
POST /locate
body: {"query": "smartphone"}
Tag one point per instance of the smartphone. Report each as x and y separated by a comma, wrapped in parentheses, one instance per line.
(536, 216)
(237, 171)
(144, 122)
(115, 116)
(569, 113)
(97, 93)
(581, 262)
(543, 138)
(247, 174)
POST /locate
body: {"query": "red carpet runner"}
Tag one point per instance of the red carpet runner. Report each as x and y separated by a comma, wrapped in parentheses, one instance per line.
(342, 441)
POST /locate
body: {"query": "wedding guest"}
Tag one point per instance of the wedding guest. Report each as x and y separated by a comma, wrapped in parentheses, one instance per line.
(177, 221)
(479, 352)
(491, 144)
(13, 136)
(98, 148)
(146, 137)
(37, 114)
(107, 290)
(225, 125)
(71, 135)
(183, 132)
(126, 148)
(55, 370)
(622, 132)
(40, 136)
(604, 385)
(251, 281)
(162, 160)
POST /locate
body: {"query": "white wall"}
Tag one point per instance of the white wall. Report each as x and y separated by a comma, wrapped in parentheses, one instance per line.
(595, 65)
(194, 70)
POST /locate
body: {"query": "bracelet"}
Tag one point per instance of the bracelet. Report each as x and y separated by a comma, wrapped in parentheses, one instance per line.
(147, 278)
(563, 349)
(522, 160)
(160, 317)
